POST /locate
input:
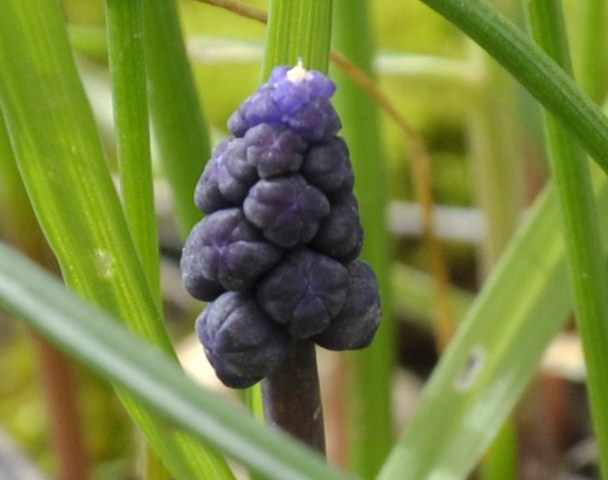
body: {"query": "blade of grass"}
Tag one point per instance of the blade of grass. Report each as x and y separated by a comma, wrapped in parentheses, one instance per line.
(179, 125)
(298, 30)
(495, 352)
(124, 22)
(534, 69)
(370, 375)
(579, 226)
(593, 49)
(63, 168)
(101, 343)
(126, 58)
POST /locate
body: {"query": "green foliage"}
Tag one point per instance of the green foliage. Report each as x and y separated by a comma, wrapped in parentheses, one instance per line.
(106, 244)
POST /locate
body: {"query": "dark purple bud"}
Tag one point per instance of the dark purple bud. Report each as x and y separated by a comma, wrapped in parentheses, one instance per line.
(242, 344)
(356, 324)
(195, 282)
(258, 108)
(287, 209)
(340, 234)
(274, 150)
(235, 176)
(207, 196)
(327, 166)
(295, 87)
(294, 97)
(304, 291)
(317, 121)
(229, 250)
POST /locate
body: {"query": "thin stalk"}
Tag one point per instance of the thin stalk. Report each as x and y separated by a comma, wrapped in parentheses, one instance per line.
(179, 125)
(592, 68)
(125, 25)
(126, 59)
(297, 30)
(296, 379)
(369, 410)
(579, 227)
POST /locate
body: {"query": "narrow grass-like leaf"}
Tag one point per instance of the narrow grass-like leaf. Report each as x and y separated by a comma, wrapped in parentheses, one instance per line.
(126, 58)
(179, 125)
(592, 54)
(298, 30)
(579, 226)
(61, 161)
(534, 69)
(495, 352)
(101, 343)
(370, 417)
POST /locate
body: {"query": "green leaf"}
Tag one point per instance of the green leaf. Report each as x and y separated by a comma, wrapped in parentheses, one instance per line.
(370, 377)
(579, 226)
(534, 69)
(62, 165)
(126, 59)
(101, 343)
(495, 352)
(179, 125)
(298, 30)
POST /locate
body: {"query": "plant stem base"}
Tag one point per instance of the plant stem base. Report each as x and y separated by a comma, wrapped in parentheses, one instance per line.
(292, 399)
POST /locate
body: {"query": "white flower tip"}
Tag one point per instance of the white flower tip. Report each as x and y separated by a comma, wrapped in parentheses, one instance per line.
(298, 73)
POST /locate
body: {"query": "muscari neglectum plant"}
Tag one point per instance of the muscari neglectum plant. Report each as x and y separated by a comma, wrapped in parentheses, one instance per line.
(275, 256)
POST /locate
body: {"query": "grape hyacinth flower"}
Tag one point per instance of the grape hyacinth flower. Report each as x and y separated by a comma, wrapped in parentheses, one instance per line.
(276, 255)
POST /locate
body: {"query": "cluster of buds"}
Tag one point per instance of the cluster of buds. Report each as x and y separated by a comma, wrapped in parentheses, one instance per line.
(276, 254)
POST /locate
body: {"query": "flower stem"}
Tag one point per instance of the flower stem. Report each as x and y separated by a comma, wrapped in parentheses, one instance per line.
(292, 397)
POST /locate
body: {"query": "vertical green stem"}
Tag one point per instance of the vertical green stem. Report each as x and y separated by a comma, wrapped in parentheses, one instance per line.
(593, 49)
(369, 411)
(297, 30)
(126, 58)
(179, 125)
(580, 229)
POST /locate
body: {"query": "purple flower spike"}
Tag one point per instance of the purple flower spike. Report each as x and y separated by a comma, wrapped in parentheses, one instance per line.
(276, 254)
(304, 291)
(242, 344)
(287, 209)
(229, 250)
(356, 324)
(340, 234)
(274, 150)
